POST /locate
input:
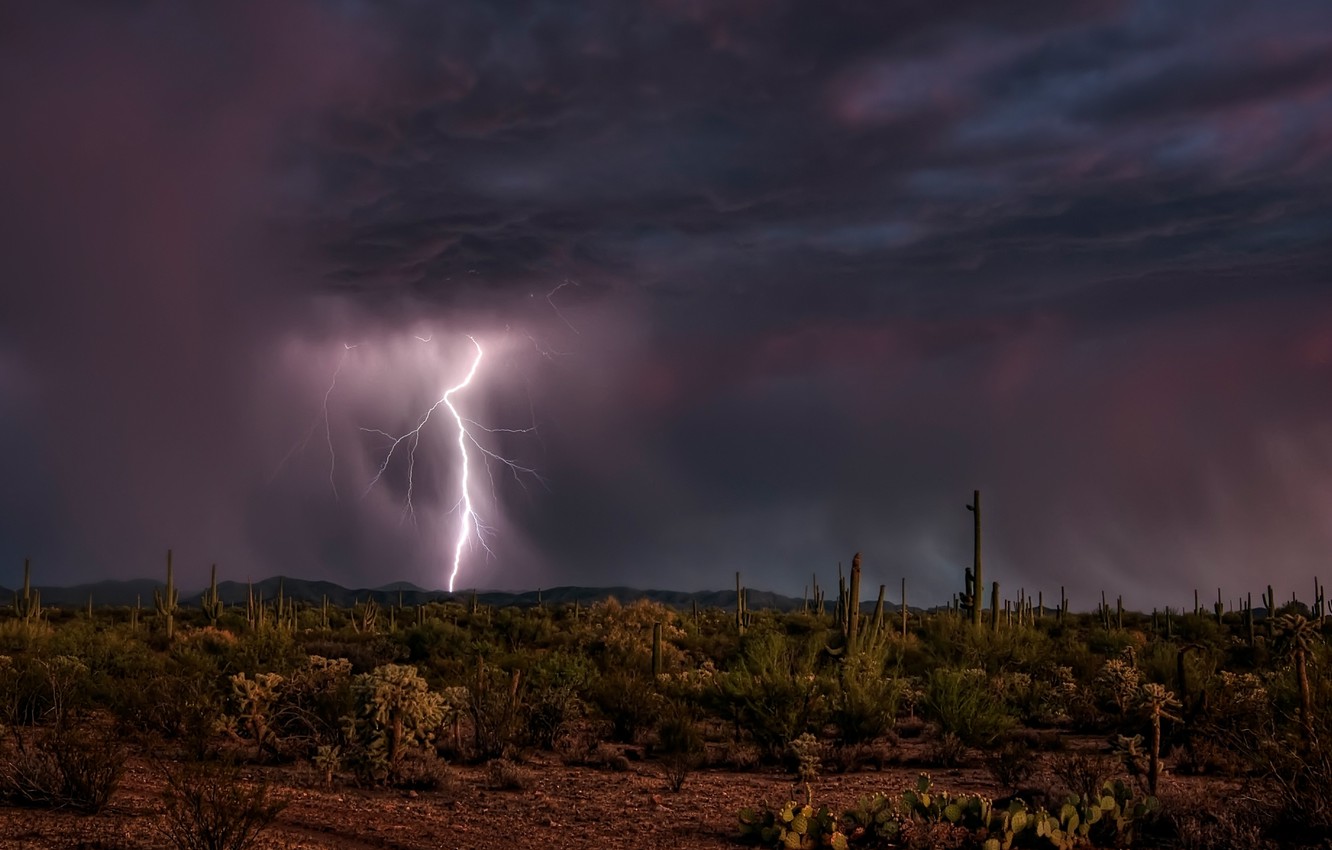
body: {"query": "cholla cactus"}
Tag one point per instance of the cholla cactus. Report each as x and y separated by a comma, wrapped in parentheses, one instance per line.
(1157, 702)
(1119, 683)
(1295, 639)
(395, 709)
(255, 698)
(807, 749)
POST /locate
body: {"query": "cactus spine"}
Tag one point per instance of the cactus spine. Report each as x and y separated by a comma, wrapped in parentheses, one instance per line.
(167, 600)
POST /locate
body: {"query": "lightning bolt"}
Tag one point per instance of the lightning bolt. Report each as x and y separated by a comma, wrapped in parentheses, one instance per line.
(467, 518)
(471, 528)
(322, 416)
(470, 524)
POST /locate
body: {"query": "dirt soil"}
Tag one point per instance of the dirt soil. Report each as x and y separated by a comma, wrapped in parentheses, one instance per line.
(560, 807)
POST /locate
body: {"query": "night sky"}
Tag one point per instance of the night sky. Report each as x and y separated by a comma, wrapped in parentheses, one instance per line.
(775, 282)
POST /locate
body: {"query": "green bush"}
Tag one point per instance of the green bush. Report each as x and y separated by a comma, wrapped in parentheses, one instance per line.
(863, 702)
(774, 693)
(962, 703)
(628, 701)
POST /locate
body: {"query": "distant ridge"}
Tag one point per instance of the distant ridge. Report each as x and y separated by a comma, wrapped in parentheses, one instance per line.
(125, 593)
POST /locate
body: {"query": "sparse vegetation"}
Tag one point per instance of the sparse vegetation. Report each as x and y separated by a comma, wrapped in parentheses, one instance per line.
(379, 695)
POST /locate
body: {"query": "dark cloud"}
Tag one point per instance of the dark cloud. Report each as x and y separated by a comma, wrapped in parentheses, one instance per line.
(776, 281)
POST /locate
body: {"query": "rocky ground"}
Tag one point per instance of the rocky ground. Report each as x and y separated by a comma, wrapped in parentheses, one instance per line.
(557, 806)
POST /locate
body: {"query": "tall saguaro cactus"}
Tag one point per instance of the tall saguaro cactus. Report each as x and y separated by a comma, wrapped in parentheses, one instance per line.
(977, 578)
(210, 602)
(853, 604)
(28, 604)
(166, 600)
(994, 606)
(741, 606)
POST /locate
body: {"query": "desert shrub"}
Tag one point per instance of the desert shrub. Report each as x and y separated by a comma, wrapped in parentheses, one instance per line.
(208, 807)
(624, 634)
(863, 702)
(552, 700)
(310, 705)
(627, 701)
(66, 765)
(680, 748)
(774, 693)
(365, 651)
(1083, 772)
(41, 688)
(495, 709)
(264, 650)
(961, 702)
(608, 756)
(1011, 763)
(1296, 779)
(506, 775)
(1202, 822)
(179, 703)
(947, 750)
(395, 711)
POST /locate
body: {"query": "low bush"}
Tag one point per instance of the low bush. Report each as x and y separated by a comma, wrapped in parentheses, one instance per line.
(212, 808)
(680, 748)
(960, 702)
(78, 767)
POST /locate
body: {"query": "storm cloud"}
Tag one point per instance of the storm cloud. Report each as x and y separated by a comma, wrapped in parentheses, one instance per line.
(765, 284)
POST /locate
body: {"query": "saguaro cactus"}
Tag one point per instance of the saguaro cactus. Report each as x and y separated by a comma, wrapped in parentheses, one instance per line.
(166, 601)
(28, 604)
(741, 612)
(210, 602)
(977, 578)
(994, 606)
(853, 604)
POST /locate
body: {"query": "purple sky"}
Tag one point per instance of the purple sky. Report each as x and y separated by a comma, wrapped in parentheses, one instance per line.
(831, 267)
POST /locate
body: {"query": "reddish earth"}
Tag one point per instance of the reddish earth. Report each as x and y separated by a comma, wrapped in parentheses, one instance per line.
(560, 807)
